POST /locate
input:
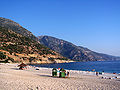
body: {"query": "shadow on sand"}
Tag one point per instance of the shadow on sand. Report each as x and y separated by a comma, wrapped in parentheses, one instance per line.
(15, 68)
(48, 76)
(54, 76)
(118, 80)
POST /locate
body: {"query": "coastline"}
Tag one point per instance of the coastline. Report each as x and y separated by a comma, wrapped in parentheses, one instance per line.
(109, 67)
(11, 78)
(105, 75)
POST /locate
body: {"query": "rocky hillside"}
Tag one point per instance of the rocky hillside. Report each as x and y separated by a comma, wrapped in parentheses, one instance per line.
(9, 24)
(72, 51)
(15, 47)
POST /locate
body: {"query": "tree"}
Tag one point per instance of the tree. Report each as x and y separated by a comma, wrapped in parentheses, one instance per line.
(2, 56)
(31, 59)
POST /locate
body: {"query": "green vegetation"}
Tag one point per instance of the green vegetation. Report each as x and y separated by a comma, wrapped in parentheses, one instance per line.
(6, 61)
(21, 44)
(2, 56)
(51, 59)
(11, 59)
(64, 58)
(16, 43)
(31, 59)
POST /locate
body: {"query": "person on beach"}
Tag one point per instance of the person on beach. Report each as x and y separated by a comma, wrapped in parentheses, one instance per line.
(58, 72)
(67, 74)
(62, 73)
(96, 73)
(102, 72)
(54, 72)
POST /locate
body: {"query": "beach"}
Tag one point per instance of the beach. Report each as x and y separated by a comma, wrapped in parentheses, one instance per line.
(11, 78)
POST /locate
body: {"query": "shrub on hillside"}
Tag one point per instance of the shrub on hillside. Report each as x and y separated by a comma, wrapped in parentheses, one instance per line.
(2, 56)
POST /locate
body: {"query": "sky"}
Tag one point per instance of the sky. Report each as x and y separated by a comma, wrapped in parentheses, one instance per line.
(94, 24)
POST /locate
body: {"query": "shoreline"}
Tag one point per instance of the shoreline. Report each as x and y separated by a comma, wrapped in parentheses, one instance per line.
(33, 64)
(104, 74)
(89, 70)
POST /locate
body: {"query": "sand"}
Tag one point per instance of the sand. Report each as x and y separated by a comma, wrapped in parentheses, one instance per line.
(11, 78)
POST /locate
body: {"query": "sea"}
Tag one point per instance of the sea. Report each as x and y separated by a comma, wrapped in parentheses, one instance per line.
(98, 66)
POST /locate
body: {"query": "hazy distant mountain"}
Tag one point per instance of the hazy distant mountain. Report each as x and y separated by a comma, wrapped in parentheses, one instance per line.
(72, 51)
(9, 24)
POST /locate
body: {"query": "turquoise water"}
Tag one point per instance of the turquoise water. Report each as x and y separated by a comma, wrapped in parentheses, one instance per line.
(106, 66)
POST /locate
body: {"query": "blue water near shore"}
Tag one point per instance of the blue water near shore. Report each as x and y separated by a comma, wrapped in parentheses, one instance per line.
(99, 66)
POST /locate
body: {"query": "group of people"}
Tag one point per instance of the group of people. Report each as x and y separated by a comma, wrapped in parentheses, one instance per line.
(99, 73)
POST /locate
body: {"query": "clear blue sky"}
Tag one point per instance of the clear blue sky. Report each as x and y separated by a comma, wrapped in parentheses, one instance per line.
(94, 24)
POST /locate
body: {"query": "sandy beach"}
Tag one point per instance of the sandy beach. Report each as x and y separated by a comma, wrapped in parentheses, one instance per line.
(11, 78)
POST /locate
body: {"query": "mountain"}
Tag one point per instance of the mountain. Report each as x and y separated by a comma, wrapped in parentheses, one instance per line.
(19, 45)
(9, 24)
(72, 51)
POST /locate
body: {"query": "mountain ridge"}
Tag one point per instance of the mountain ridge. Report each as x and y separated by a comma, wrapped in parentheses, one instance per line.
(72, 51)
(33, 43)
(9, 24)
(17, 44)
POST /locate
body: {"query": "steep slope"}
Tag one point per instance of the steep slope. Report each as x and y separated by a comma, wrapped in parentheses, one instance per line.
(9, 24)
(72, 51)
(15, 47)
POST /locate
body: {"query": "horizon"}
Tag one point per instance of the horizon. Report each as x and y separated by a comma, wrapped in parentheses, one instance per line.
(91, 24)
